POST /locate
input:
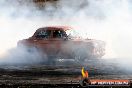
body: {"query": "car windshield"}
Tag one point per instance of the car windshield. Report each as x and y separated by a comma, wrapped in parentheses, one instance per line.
(72, 34)
(43, 34)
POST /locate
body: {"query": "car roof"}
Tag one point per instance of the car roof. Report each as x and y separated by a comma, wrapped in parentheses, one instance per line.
(65, 28)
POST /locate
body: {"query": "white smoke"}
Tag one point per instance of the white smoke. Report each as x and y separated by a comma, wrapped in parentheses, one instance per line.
(23, 55)
(107, 20)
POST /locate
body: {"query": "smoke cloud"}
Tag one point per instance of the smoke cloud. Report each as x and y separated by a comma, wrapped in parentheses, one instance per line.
(106, 20)
(22, 55)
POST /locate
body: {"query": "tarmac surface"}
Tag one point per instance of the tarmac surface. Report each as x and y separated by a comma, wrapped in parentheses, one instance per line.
(58, 74)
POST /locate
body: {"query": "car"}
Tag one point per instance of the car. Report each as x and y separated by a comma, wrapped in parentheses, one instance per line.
(63, 43)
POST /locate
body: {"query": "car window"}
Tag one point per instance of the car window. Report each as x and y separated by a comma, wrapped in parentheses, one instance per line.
(43, 34)
(59, 34)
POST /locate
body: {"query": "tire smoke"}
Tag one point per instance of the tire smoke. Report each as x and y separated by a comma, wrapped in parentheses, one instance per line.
(106, 20)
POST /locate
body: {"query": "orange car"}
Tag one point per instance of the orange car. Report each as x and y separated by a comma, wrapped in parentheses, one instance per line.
(62, 42)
